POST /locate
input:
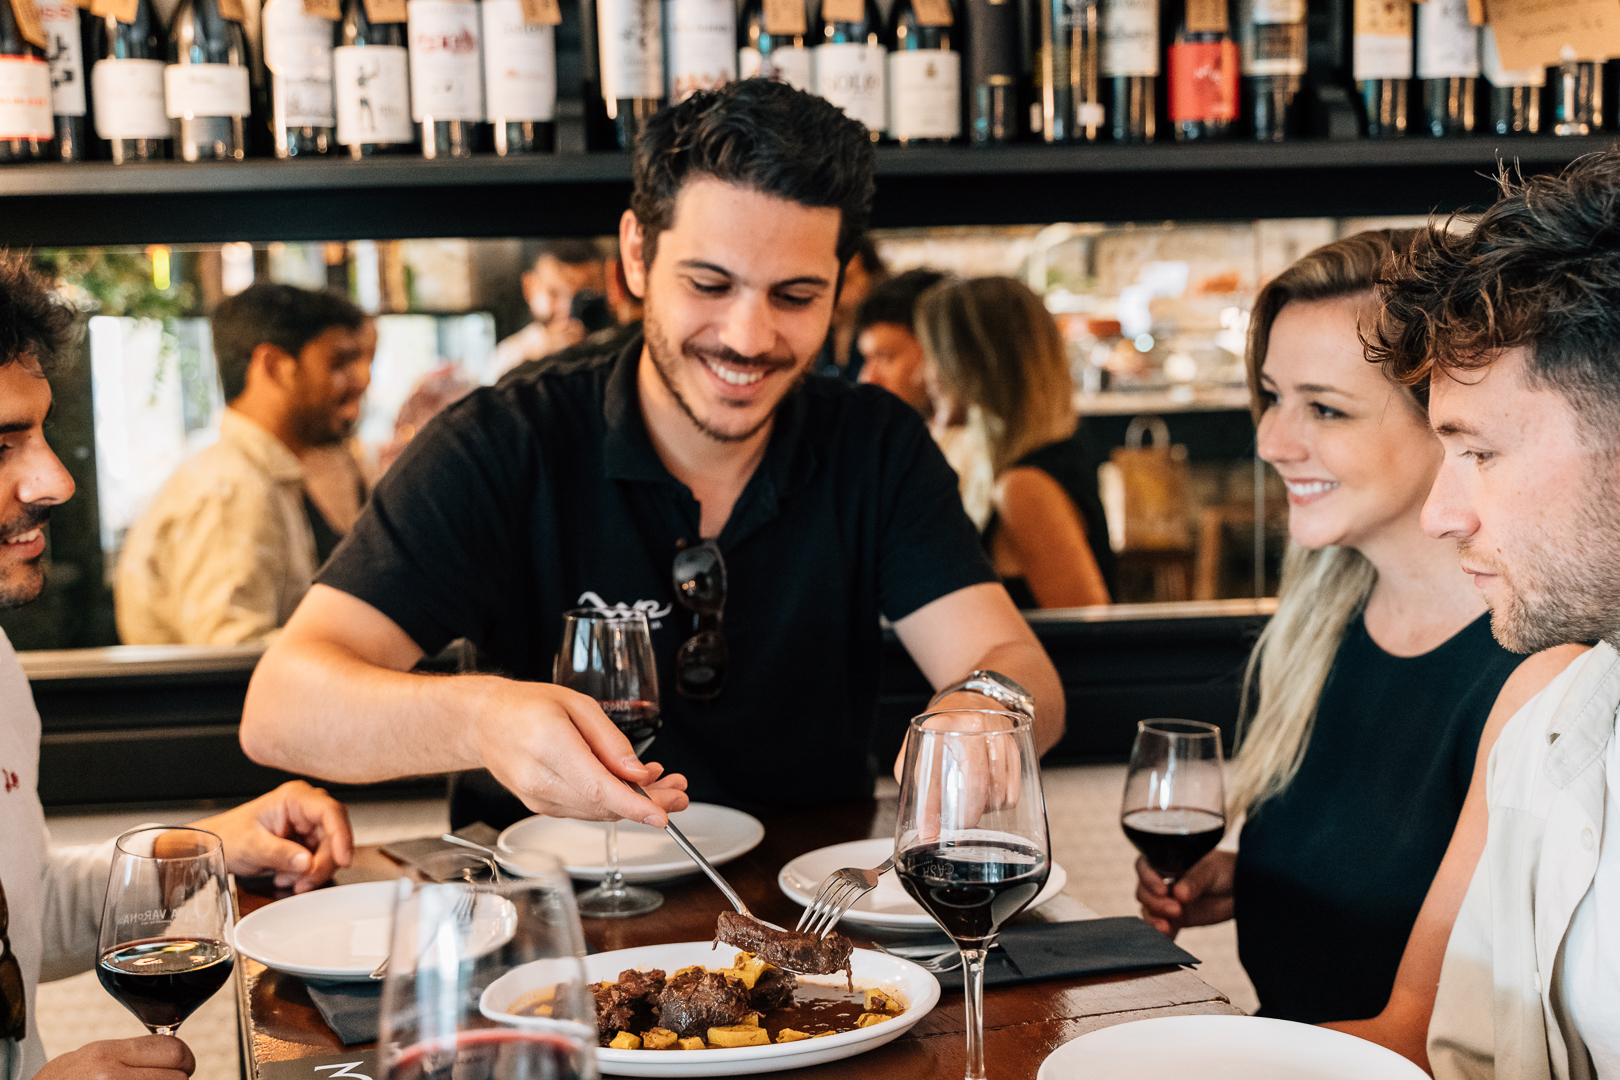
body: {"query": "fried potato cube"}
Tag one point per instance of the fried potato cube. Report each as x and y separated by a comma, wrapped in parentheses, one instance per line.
(694, 1043)
(789, 1035)
(658, 1039)
(751, 1020)
(868, 1019)
(739, 1035)
(625, 1041)
(746, 969)
(879, 1001)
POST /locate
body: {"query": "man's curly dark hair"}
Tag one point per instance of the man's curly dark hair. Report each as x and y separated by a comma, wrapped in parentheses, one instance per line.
(758, 134)
(1540, 269)
(34, 322)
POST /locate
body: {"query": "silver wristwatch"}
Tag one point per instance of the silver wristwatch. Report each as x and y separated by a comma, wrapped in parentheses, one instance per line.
(995, 686)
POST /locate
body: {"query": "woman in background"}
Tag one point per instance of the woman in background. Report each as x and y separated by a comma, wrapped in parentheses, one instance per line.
(993, 350)
(1380, 687)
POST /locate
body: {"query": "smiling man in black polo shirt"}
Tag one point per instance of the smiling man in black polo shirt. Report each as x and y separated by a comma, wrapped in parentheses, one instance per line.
(579, 483)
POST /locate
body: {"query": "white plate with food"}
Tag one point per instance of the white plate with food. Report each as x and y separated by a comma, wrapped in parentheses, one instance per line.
(910, 990)
(646, 854)
(888, 907)
(1224, 1048)
(341, 934)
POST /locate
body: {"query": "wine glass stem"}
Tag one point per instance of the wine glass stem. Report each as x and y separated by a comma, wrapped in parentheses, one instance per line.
(613, 880)
(973, 996)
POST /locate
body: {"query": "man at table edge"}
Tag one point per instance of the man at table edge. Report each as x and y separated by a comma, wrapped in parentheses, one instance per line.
(49, 922)
(748, 204)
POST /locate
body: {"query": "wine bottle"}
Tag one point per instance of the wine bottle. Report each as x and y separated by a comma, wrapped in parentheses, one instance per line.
(447, 84)
(205, 86)
(1067, 71)
(1578, 95)
(925, 73)
(520, 79)
(298, 57)
(1515, 95)
(371, 80)
(1203, 75)
(630, 33)
(850, 62)
(1447, 65)
(1130, 67)
(126, 83)
(993, 69)
(772, 42)
(26, 124)
(1084, 80)
(700, 44)
(1273, 38)
(64, 25)
(1381, 63)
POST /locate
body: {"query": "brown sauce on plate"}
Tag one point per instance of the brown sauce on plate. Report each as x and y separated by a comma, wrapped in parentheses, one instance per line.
(816, 1009)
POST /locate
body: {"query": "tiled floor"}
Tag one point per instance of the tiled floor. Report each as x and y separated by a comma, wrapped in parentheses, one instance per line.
(1082, 805)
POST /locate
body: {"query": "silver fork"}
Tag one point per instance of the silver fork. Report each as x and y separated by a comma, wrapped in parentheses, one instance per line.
(462, 913)
(838, 892)
(934, 962)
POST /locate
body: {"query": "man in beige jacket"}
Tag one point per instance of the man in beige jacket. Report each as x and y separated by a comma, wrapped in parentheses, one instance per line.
(1515, 329)
(230, 545)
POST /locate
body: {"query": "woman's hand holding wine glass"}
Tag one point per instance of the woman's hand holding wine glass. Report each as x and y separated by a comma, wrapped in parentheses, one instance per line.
(1174, 811)
(1202, 897)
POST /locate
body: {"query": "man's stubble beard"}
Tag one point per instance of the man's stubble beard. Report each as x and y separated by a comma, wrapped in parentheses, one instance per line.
(665, 358)
(12, 593)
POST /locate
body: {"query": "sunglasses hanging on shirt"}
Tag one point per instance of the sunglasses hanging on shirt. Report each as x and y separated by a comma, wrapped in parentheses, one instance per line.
(700, 586)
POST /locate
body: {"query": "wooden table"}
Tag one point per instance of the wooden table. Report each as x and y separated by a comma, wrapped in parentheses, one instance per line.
(1023, 1024)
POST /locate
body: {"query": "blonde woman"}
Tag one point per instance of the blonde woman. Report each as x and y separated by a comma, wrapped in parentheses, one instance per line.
(1380, 687)
(992, 350)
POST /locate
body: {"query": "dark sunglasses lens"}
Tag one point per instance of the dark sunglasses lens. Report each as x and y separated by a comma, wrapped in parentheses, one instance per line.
(700, 576)
(700, 665)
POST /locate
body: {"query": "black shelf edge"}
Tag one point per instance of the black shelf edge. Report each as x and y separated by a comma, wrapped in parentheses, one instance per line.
(585, 194)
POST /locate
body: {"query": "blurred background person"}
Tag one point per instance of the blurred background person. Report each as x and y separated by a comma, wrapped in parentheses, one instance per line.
(232, 541)
(562, 269)
(993, 352)
(840, 357)
(886, 338)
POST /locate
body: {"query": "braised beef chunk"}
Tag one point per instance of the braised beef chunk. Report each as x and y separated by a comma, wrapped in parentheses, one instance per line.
(804, 953)
(626, 1005)
(695, 1001)
(773, 989)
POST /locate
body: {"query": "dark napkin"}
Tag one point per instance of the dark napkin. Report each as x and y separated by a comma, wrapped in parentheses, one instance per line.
(413, 852)
(349, 1008)
(1083, 947)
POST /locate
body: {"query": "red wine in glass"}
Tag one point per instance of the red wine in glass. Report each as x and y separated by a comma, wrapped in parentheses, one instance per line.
(163, 980)
(971, 889)
(498, 1054)
(1173, 840)
(638, 720)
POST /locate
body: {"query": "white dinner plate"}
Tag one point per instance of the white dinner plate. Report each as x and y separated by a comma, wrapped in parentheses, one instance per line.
(887, 907)
(916, 987)
(341, 934)
(1224, 1048)
(645, 853)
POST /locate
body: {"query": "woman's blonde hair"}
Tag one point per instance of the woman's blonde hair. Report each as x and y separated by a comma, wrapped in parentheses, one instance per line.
(999, 352)
(1322, 589)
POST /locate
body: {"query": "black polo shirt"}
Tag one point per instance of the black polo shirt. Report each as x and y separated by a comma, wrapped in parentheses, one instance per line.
(544, 493)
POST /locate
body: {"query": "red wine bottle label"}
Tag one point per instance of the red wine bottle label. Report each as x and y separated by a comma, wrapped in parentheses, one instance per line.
(1447, 43)
(386, 11)
(631, 33)
(925, 93)
(845, 11)
(520, 64)
(1130, 38)
(1204, 81)
(1207, 17)
(851, 76)
(60, 19)
(129, 99)
(702, 46)
(25, 98)
(28, 24)
(191, 90)
(446, 78)
(785, 17)
(1274, 37)
(298, 53)
(542, 12)
(373, 91)
(933, 12)
(1383, 40)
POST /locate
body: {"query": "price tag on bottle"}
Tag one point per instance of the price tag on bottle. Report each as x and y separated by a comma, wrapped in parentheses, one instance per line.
(542, 13)
(386, 11)
(233, 10)
(1206, 17)
(933, 12)
(785, 17)
(845, 11)
(324, 9)
(125, 11)
(28, 24)
(1384, 18)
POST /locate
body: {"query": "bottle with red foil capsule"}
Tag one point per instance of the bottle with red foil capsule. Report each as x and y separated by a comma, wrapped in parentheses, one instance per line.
(26, 123)
(1203, 72)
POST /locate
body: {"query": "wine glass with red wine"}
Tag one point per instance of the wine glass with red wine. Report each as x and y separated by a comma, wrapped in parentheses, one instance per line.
(1174, 809)
(607, 654)
(486, 980)
(970, 843)
(166, 925)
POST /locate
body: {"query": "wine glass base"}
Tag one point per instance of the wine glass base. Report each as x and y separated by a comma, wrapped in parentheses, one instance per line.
(621, 903)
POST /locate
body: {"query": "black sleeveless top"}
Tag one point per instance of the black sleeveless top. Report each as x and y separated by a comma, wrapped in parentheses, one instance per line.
(1072, 464)
(1332, 871)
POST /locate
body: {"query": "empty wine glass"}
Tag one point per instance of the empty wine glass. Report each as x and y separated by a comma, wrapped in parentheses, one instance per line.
(607, 654)
(1174, 809)
(970, 842)
(486, 981)
(166, 925)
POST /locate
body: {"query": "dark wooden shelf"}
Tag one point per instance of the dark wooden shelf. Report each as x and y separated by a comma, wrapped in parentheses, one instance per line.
(584, 194)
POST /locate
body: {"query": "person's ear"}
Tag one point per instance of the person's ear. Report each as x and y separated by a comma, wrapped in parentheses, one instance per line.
(631, 252)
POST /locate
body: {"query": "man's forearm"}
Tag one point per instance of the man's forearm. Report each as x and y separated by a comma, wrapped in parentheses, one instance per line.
(1027, 664)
